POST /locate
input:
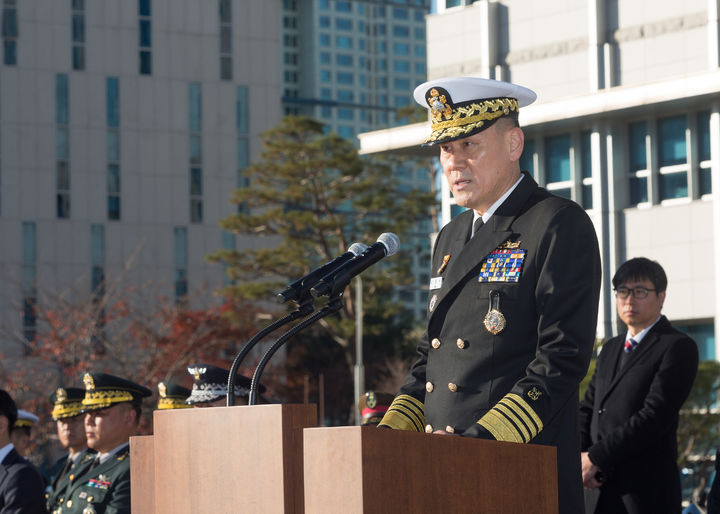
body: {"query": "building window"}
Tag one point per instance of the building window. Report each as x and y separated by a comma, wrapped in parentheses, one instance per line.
(345, 42)
(145, 29)
(557, 159)
(180, 246)
(78, 34)
(195, 152)
(62, 147)
(638, 172)
(343, 24)
(29, 278)
(672, 158)
(401, 31)
(97, 259)
(112, 147)
(586, 170)
(226, 71)
(704, 335)
(10, 32)
(343, 6)
(527, 159)
(703, 138)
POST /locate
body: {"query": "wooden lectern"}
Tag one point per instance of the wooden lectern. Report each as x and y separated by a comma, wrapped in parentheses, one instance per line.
(221, 459)
(371, 470)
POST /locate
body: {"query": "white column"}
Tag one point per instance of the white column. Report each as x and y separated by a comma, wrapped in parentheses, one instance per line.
(596, 36)
(487, 47)
(715, 173)
(713, 36)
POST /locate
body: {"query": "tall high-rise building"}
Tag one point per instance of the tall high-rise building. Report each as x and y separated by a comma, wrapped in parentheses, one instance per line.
(124, 125)
(353, 65)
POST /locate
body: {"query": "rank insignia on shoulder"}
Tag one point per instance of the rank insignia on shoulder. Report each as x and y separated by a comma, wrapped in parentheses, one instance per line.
(534, 393)
(443, 265)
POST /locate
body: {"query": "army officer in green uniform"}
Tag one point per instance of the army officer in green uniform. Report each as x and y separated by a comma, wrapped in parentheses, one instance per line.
(112, 407)
(66, 412)
(513, 293)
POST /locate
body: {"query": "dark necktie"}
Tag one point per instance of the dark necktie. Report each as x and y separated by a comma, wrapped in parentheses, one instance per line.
(477, 225)
(630, 345)
(96, 463)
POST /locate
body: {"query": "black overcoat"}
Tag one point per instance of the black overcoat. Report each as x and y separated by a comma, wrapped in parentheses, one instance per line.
(629, 417)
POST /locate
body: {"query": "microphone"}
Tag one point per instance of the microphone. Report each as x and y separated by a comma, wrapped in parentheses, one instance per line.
(299, 289)
(387, 244)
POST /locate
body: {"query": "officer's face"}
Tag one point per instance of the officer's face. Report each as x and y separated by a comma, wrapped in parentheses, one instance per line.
(71, 432)
(107, 428)
(639, 313)
(480, 168)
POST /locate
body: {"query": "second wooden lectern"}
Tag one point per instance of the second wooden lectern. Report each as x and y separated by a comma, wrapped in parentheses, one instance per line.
(369, 470)
(222, 459)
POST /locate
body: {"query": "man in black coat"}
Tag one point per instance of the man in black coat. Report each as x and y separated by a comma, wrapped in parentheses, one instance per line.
(514, 291)
(21, 486)
(629, 416)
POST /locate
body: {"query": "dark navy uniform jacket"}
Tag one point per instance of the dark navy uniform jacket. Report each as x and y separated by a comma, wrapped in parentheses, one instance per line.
(537, 262)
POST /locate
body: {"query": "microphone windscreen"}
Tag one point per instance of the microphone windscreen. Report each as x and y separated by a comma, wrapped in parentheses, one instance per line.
(391, 242)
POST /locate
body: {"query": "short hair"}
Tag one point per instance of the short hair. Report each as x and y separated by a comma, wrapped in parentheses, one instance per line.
(641, 268)
(8, 408)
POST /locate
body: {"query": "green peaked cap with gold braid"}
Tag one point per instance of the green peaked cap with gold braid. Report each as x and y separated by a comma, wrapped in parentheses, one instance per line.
(67, 402)
(463, 106)
(103, 390)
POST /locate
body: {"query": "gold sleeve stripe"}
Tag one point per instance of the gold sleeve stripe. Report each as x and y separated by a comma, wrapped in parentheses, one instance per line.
(521, 418)
(503, 409)
(500, 427)
(525, 406)
(405, 413)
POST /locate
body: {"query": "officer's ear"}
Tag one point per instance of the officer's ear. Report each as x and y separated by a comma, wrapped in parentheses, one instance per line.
(515, 142)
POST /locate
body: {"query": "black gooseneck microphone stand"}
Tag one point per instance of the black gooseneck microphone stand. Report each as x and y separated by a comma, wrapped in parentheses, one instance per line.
(334, 304)
(304, 309)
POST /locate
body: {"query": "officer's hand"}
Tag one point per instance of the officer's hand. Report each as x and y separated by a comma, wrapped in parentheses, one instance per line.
(589, 472)
(442, 432)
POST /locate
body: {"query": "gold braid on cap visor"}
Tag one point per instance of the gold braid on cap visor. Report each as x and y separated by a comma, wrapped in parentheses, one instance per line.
(99, 399)
(467, 118)
(172, 403)
(66, 410)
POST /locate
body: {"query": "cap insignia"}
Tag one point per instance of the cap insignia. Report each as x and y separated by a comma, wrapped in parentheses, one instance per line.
(439, 103)
(89, 382)
(371, 400)
(162, 388)
(61, 395)
(197, 372)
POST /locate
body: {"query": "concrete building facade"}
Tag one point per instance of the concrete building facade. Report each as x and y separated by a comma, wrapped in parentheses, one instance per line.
(627, 124)
(123, 128)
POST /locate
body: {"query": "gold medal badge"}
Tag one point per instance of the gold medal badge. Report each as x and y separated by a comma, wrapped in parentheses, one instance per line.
(494, 319)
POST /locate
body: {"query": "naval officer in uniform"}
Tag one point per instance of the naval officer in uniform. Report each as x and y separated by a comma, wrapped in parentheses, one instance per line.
(66, 412)
(514, 291)
(112, 407)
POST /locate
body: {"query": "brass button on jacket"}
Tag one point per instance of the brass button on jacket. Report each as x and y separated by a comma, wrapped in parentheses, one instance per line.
(461, 344)
(429, 387)
(428, 429)
(453, 387)
(449, 429)
(435, 343)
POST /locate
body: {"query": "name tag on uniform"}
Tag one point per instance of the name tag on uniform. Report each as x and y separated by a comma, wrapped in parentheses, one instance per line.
(435, 283)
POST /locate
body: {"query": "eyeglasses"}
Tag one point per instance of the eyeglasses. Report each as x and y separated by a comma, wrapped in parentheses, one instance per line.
(637, 292)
